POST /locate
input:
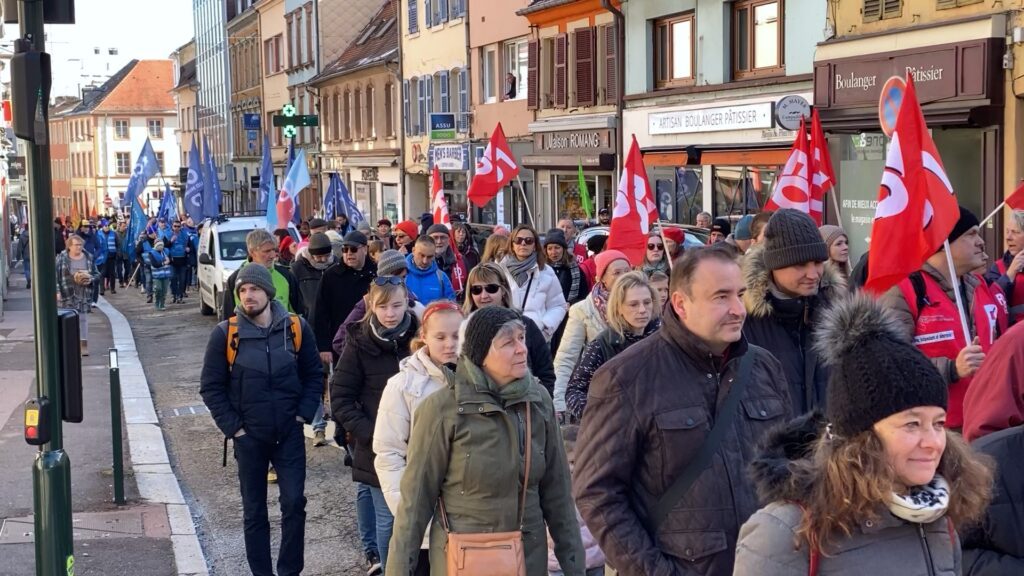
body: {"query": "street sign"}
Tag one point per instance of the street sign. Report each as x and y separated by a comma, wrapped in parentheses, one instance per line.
(251, 121)
(108, 202)
(889, 103)
(251, 136)
(442, 126)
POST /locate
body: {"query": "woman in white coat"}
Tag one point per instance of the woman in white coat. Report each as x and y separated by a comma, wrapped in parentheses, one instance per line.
(419, 376)
(535, 287)
(587, 319)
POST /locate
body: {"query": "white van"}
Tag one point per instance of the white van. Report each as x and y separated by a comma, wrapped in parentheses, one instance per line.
(222, 251)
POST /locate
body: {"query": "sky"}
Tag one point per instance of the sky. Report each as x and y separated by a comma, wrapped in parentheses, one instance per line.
(142, 29)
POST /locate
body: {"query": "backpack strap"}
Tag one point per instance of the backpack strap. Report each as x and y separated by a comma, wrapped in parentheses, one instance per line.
(231, 351)
(295, 332)
(920, 293)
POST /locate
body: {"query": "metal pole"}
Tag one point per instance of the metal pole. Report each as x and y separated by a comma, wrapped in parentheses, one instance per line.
(115, 427)
(51, 471)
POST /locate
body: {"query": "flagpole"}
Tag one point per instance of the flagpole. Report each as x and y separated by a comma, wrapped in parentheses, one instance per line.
(664, 244)
(956, 292)
(522, 192)
(835, 204)
(992, 214)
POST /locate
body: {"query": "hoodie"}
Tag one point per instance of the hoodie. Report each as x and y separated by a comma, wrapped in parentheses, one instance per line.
(430, 284)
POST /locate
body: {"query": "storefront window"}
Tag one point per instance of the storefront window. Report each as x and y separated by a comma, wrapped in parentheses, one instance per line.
(739, 190)
(391, 201)
(364, 199)
(679, 192)
(567, 190)
(455, 185)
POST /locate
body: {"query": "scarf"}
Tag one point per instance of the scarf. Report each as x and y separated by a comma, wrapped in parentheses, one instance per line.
(649, 268)
(390, 334)
(511, 392)
(600, 296)
(924, 504)
(572, 295)
(520, 269)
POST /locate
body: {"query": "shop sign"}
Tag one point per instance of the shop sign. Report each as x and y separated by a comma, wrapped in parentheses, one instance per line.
(790, 110)
(250, 121)
(16, 168)
(449, 157)
(575, 141)
(369, 175)
(442, 126)
(718, 119)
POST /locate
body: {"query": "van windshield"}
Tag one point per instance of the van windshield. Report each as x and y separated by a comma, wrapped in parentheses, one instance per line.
(232, 245)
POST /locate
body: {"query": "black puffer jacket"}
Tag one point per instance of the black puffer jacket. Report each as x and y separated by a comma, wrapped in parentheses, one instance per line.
(359, 380)
(785, 328)
(340, 289)
(996, 548)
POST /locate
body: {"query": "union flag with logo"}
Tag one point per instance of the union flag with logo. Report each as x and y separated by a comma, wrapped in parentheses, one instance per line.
(635, 213)
(494, 169)
(793, 189)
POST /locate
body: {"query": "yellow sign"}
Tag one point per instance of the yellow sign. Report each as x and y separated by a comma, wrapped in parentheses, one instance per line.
(32, 418)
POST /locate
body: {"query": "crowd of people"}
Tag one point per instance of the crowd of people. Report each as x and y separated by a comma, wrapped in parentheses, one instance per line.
(739, 408)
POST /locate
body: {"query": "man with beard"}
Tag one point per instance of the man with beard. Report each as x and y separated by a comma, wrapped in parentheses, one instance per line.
(308, 268)
(282, 381)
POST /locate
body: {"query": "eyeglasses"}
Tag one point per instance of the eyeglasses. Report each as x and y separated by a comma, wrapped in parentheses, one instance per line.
(350, 249)
(385, 280)
(479, 289)
(524, 241)
(655, 246)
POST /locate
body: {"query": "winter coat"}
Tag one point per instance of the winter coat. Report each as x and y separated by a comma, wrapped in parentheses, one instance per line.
(430, 284)
(470, 255)
(269, 384)
(996, 548)
(649, 410)
(308, 278)
(72, 294)
(58, 240)
(995, 276)
(538, 353)
(290, 298)
(359, 379)
(340, 289)
(606, 346)
(995, 399)
(785, 328)
(160, 262)
(584, 325)
(768, 542)
(467, 447)
(565, 274)
(541, 300)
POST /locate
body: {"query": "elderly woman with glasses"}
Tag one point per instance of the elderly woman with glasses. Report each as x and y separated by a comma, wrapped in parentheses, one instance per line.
(486, 286)
(536, 291)
(76, 274)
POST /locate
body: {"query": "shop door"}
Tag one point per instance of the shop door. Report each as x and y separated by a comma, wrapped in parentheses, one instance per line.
(992, 183)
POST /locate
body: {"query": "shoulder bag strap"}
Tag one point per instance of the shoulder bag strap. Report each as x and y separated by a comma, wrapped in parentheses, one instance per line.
(526, 295)
(526, 473)
(700, 462)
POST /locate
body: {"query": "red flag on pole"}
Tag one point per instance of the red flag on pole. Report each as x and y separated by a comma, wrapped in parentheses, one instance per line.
(635, 212)
(1016, 200)
(917, 208)
(495, 168)
(793, 189)
(441, 216)
(823, 179)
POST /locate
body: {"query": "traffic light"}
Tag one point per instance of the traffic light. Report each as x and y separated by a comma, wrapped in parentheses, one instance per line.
(54, 11)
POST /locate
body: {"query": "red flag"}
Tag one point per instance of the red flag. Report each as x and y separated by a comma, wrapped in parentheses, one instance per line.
(635, 212)
(285, 209)
(823, 179)
(495, 168)
(793, 189)
(441, 216)
(917, 208)
(1016, 200)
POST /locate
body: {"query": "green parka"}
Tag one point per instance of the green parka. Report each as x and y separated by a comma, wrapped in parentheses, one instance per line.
(466, 446)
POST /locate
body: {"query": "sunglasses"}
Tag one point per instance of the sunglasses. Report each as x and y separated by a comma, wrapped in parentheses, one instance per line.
(385, 280)
(524, 241)
(479, 288)
(655, 246)
(350, 249)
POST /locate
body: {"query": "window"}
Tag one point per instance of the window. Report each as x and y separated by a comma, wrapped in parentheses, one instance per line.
(346, 116)
(289, 20)
(120, 128)
(309, 32)
(673, 51)
(875, 10)
(515, 58)
(156, 128)
(371, 122)
(414, 24)
(357, 115)
(272, 61)
(757, 37)
(160, 162)
(488, 77)
(123, 163)
(389, 110)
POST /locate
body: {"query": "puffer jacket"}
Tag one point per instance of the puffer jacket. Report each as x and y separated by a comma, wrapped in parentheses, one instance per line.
(996, 547)
(467, 446)
(649, 410)
(541, 300)
(584, 325)
(785, 328)
(360, 376)
(270, 383)
(768, 542)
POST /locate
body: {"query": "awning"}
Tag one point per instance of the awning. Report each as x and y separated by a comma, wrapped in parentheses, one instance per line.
(938, 114)
(766, 154)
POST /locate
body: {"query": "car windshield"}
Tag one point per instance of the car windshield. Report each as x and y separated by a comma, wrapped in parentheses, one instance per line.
(232, 245)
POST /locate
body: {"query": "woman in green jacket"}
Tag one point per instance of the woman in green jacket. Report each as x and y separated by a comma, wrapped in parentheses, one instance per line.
(467, 446)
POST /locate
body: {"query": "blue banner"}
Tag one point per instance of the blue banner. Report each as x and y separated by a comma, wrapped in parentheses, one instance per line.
(349, 207)
(195, 186)
(168, 209)
(211, 183)
(145, 168)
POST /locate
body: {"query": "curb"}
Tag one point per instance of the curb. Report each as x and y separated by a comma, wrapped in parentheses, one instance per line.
(153, 474)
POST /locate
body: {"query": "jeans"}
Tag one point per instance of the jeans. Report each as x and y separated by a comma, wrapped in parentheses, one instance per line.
(149, 279)
(385, 523)
(160, 292)
(96, 290)
(365, 518)
(319, 422)
(26, 267)
(289, 459)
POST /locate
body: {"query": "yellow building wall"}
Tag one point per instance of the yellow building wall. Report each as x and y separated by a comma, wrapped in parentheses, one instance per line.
(275, 86)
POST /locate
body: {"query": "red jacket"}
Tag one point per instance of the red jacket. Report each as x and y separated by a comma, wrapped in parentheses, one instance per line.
(995, 400)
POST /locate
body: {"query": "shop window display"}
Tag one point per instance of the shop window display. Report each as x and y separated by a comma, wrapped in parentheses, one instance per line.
(739, 190)
(679, 192)
(568, 193)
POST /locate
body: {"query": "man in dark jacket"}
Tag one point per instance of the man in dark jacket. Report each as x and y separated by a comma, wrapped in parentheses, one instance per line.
(650, 410)
(264, 415)
(58, 236)
(788, 287)
(343, 285)
(263, 250)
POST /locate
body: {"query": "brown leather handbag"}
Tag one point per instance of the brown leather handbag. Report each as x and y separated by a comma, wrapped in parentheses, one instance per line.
(489, 553)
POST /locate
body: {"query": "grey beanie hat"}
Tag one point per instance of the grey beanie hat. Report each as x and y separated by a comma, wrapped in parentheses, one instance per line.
(438, 229)
(257, 275)
(791, 238)
(481, 329)
(390, 263)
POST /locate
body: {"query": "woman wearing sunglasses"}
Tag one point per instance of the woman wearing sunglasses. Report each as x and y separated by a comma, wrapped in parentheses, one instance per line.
(487, 285)
(655, 257)
(371, 356)
(536, 291)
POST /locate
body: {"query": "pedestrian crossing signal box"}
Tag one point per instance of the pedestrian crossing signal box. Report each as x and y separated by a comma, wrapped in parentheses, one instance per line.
(37, 421)
(70, 357)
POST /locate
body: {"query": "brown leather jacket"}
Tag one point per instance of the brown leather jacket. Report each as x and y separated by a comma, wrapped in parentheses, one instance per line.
(648, 413)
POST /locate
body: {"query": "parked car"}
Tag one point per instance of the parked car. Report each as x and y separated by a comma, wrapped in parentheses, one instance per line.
(695, 235)
(222, 251)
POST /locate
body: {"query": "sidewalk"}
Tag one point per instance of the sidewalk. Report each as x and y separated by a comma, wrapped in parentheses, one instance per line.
(153, 533)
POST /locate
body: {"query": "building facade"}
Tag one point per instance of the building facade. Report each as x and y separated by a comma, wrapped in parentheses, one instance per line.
(246, 81)
(186, 86)
(213, 109)
(60, 159)
(274, 79)
(302, 65)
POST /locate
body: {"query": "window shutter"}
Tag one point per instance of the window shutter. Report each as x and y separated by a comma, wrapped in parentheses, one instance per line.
(442, 6)
(429, 10)
(561, 69)
(943, 4)
(611, 63)
(463, 124)
(446, 105)
(420, 107)
(894, 8)
(429, 90)
(406, 118)
(533, 75)
(583, 48)
(872, 10)
(414, 24)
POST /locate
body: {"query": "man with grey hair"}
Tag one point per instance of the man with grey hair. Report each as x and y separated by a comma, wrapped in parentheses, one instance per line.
(262, 250)
(704, 220)
(1006, 271)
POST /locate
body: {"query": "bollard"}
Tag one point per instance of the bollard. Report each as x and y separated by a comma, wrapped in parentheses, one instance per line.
(115, 427)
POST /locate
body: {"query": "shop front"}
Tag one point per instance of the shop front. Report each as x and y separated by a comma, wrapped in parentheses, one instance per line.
(453, 163)
(507, 208)
(372, 180)
(960, 87)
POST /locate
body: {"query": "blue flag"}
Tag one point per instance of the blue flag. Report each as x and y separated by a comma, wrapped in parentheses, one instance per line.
(348, 206)
(136, 225)
(168, 210)
(211, 184)
(195, 186)
(331, 198)
(145, 168)
(268, 193)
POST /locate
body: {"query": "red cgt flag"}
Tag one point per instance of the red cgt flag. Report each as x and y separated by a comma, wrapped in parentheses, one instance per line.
(1016, 200)
(495, 168)
(793, 189)
(634, 213)
(917, 208)
(823, 179)
(441, 216)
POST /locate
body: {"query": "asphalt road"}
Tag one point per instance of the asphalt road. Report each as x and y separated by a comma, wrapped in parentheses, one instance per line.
(171, 345)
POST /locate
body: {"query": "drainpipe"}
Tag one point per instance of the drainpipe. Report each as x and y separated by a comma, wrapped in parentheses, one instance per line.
(620, 80)
(400, 125)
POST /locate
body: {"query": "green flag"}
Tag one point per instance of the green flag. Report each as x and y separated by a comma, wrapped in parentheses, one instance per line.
(584, 193)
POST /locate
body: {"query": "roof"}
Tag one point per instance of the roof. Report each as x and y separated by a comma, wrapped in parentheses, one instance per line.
(376, 43)
(187, 76)
(140, 86)
(63, 105)
(538, 5)
(92, 97)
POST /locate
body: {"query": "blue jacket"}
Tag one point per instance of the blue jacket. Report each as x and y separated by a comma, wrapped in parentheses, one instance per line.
(92, 245)
(164, 234)
(430, 284)
(98, 240)
(177, 246)
(160, 261)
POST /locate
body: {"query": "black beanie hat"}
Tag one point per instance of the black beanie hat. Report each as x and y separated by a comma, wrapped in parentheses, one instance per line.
(481, 329)
(721, 225)
(556, 236)
(874, 371)
(967, 221)
(791, 238)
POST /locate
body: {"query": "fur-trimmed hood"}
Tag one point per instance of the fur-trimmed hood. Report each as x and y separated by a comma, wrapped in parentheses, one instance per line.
(757, 278)
(782, 470)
